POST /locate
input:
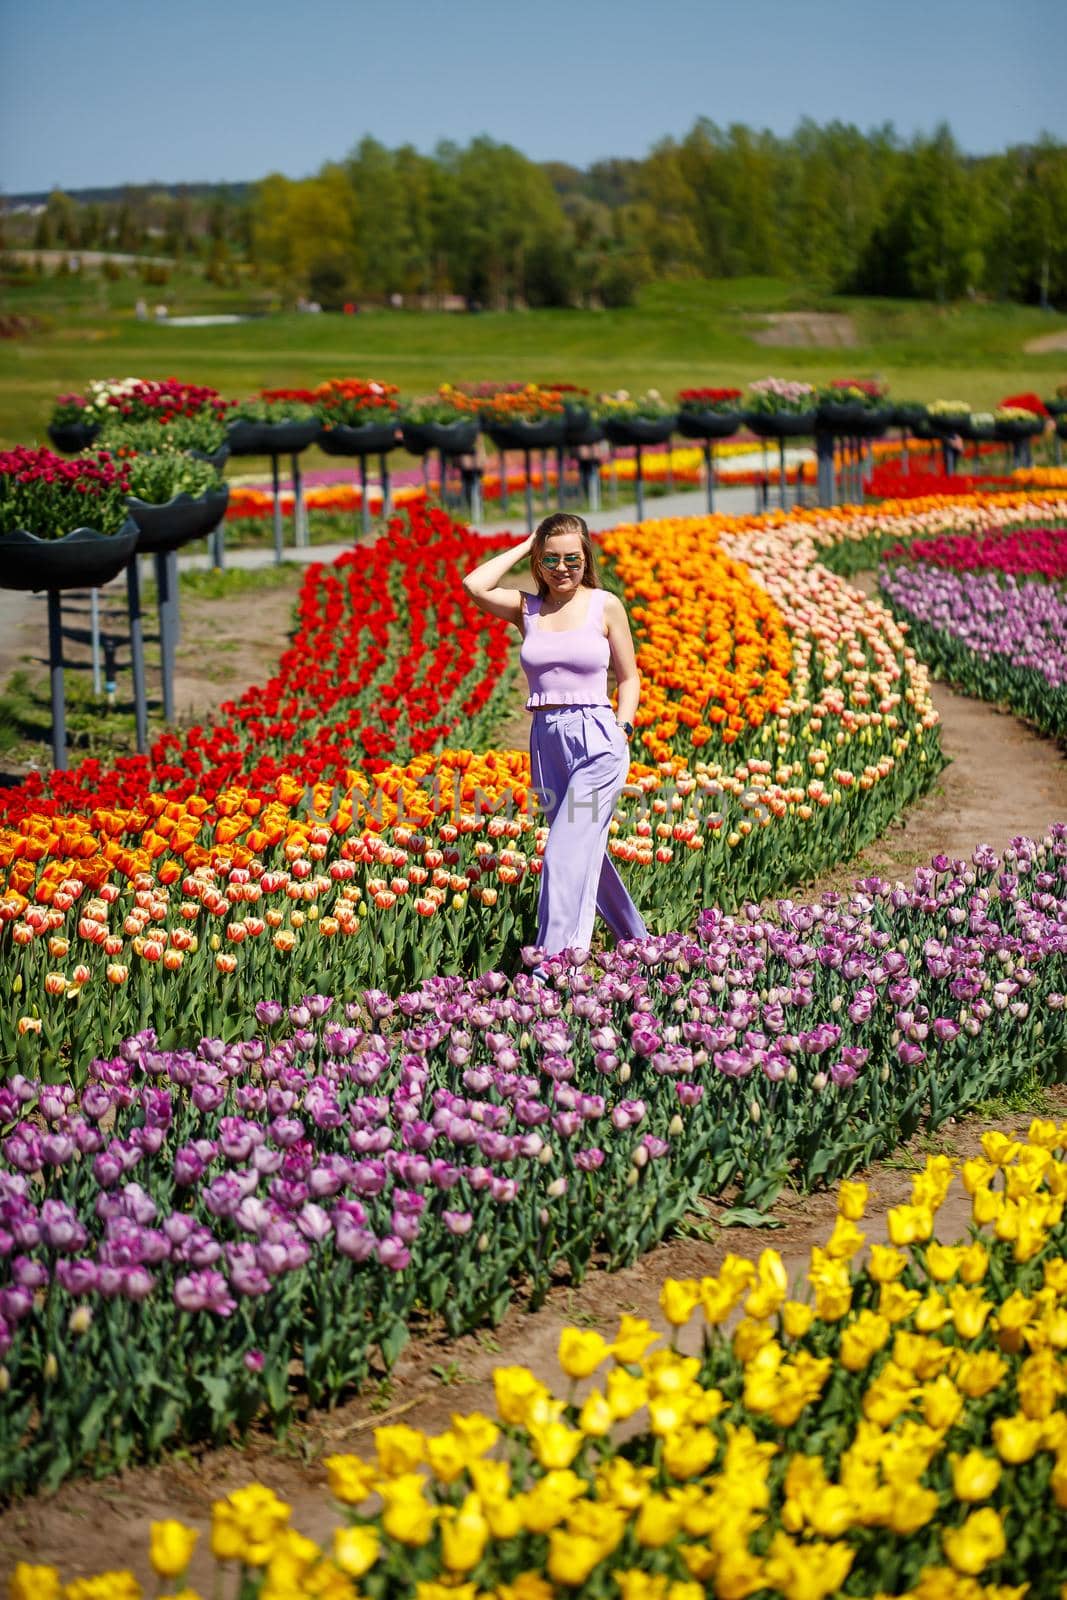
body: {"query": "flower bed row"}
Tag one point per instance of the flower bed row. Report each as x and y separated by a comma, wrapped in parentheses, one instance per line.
(894, 1427)
(263, 854)
(201, 1217)
(1039, 552)
(1003, 640)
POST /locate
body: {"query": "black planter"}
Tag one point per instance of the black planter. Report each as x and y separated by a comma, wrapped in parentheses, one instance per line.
(849, 420)
(178, 521)
(911, 417)
(694, 424)
(1061, 425)
(71, 437)
(781, 424)
(519, 435)
(83, 559)
(1057, 407)
(218, 458)
(271, 438)
(946, 425)
(579, 428)
(453, 438)
(639, 430)
(371, 439)
(1012, 429)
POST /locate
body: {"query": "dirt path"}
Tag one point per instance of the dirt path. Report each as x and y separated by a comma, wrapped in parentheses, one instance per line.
(1003, 780)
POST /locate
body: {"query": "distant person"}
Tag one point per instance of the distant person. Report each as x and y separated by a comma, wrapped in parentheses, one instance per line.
(161, 313)
(140, 311)
(579, 747)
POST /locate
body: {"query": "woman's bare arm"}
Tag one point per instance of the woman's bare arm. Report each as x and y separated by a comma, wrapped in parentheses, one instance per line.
(623, 658)
(483, 584)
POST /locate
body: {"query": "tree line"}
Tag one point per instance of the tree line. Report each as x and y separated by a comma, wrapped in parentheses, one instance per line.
(834, 207)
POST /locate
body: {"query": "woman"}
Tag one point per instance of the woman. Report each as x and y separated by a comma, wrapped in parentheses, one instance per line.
(579, 747)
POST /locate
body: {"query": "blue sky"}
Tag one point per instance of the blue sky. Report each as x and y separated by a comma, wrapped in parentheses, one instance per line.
(134, 90)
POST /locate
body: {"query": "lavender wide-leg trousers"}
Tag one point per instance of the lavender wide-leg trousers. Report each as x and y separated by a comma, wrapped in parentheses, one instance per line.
(579, 759)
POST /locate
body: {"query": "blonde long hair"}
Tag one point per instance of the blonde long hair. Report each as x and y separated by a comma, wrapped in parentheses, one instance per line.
(564, 522)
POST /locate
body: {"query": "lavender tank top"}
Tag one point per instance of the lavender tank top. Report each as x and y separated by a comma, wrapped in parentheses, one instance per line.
(568, 668)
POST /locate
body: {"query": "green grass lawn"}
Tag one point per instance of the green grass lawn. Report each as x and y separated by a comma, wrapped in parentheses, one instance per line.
(678, 334)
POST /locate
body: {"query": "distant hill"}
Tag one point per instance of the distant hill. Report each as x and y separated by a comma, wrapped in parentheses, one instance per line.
(121, 191)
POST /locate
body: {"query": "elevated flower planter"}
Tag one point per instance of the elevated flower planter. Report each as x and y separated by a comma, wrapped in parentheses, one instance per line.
(271, 438)
(81, 559)
(450, 438)
(69, 438)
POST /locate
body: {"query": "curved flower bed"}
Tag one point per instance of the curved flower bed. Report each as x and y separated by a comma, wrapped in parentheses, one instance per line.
(262, 854)
(203, 1216)
(988, 611)
(893, 1428)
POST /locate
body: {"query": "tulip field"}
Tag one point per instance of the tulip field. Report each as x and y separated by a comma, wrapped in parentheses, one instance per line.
(279, 1092)
(899, 1431)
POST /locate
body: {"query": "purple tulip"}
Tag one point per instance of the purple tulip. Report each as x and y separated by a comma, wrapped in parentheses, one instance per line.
(204, 1291)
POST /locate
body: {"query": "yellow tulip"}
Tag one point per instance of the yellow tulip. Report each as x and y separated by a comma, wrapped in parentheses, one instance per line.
(844, 1240)
(400, 1449)
(806, 1572)
(969, 1311)
(909, 1224)
(407, 1516)
(942, 1260)
(687, 1452)
(797, 1318)
(979, 1372)
(771, 1287)
(860, 1340)
(355, 1550)
(247, 1525)
(634, 1337)
(884, 1264)
(515, 1388)
(572, 1557)
(170, 1547)
(555, 1445)
(464, 1535)
(974, 1476)
(998, 1148)
(974, 1263)
(596, 1417)
(446, 1457)
(1016, 1438)
(625, 1394)
(581, 1351)
(29, 1582)
(476, 1432)
(852, 1199)
(351, 1479)
(896, 1302)
(976, 1543)
(678, 1300)
(910, 1508)
(657, 1521)
(941, 1403)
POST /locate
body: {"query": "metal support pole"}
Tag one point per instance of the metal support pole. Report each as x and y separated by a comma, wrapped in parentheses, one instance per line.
(709, 473)
(301, 532)
(387, 503)
(218, 545)
(824, 457)
(365, 496)
(277, 509)
(94, 638)
(639, 484)
(140, 698)
(503, 483)
(781, 474)
(561, 486)
(55, 665)
(529, 492)
(166, 633)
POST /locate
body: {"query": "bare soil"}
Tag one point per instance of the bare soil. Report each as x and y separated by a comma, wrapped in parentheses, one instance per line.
(830, 330)
(1003, 780)
(1047, 344)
